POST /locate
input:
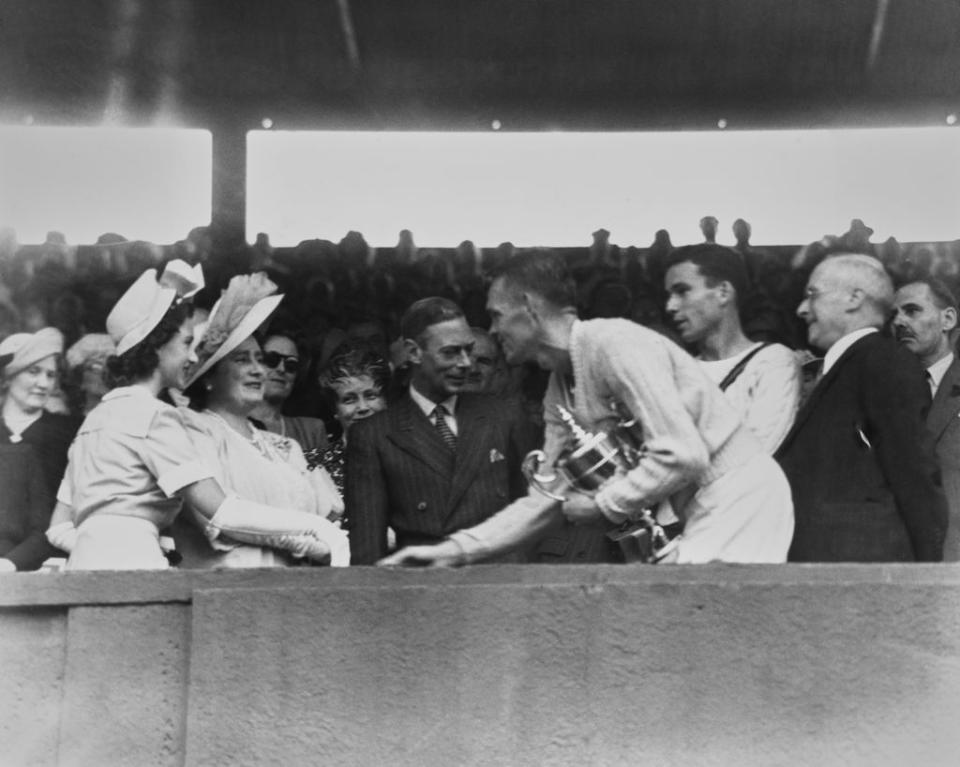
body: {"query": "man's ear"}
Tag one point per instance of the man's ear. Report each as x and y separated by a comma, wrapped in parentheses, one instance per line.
(856, 299)
(414, 352)
(533, 304)
(725, 291)
(948, 318)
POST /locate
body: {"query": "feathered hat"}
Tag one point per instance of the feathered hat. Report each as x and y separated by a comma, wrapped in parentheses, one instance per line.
(245, 304)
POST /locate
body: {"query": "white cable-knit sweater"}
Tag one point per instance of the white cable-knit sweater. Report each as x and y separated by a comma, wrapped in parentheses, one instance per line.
(692, 434)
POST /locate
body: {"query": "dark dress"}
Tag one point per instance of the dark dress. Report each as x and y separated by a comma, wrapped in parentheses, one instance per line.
(30, 472)
(25, 507)
(50, 437)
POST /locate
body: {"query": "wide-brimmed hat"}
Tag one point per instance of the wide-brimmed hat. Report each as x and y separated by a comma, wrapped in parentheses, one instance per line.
(141, 308)
(244, 305)
(21, 350)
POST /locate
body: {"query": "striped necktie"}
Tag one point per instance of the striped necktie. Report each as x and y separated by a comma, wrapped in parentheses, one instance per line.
(440, 421)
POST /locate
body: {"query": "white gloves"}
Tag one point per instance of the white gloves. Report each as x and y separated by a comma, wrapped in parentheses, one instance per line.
(303, 535)
(63, 535)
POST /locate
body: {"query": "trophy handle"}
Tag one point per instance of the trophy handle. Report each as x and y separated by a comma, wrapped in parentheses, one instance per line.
(644, 539)
(530, 466)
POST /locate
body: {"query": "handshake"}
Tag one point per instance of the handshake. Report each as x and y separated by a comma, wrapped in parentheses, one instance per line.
(585, 464)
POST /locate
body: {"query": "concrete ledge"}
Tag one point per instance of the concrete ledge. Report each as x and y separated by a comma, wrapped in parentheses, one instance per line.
(64, 589)
(502, 665)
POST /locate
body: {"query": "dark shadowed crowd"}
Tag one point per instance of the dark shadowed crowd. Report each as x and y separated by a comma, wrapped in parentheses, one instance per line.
(210, 404)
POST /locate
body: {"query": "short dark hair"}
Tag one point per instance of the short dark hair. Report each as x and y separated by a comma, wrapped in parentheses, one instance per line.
(352, 361)
(425, 313)
(139, 362)
(543, 272)
(716, 263)
(275, 330)
(943, 296)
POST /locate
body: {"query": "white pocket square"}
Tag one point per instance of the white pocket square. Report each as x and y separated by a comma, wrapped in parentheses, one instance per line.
(496, 455)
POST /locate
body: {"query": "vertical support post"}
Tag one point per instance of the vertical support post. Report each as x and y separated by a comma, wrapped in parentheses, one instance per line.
(349, 35)
(229, 203)
(876, 33)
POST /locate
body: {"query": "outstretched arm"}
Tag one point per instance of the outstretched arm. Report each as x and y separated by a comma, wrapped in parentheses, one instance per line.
(445, 554)
(510, 528)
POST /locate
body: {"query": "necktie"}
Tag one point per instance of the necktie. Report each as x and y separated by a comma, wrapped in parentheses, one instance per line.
(933, 388)
(812, 373)
(816, 366)
(440, 421)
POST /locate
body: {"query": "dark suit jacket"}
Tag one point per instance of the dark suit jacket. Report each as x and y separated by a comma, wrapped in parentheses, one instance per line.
(861, 465)
(399, 473)
(943, 421)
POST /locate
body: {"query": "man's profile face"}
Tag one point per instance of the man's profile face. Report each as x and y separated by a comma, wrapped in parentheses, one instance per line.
(693, 305)
(824, 307)
(441, 359)
(918, 323)
(511, 323)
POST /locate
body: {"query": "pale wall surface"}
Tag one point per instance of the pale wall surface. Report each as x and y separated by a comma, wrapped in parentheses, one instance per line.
(589, 665)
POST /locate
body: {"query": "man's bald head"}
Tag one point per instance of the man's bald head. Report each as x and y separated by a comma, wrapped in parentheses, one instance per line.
(846, 292)
(865, 273)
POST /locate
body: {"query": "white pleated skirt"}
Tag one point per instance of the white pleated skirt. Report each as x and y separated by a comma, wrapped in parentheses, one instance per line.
(114, 542)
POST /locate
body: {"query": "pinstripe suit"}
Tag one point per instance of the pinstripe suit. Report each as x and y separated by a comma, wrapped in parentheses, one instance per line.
(401, 474)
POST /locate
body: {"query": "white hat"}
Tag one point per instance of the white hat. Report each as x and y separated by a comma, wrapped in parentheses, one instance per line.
(243, 306)
(141, 308)
(21, 350)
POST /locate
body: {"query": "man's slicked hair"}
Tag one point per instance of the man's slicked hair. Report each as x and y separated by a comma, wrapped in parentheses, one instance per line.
(717, 264)
(425, 313)
(943, 297)
(543, 272)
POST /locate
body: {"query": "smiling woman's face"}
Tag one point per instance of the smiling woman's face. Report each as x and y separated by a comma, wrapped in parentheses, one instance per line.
(237, 381)
(357, 398)
(30, 389)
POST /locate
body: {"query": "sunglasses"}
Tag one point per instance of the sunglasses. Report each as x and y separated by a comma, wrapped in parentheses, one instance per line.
(272, 359)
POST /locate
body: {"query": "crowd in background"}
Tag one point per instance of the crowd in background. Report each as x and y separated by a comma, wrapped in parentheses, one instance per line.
(348, 289)
(349, 298)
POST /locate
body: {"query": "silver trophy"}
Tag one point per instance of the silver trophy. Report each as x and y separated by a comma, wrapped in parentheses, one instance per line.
(586, 463)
